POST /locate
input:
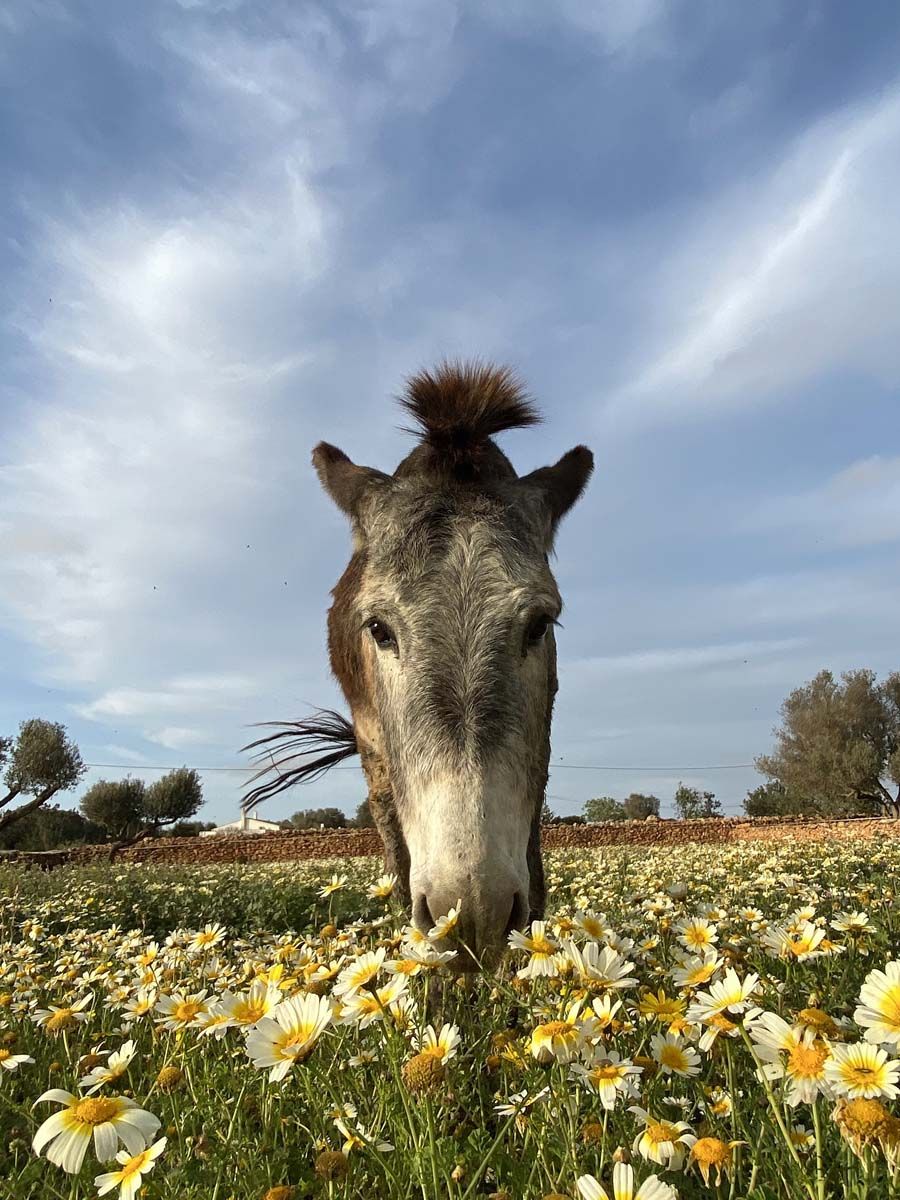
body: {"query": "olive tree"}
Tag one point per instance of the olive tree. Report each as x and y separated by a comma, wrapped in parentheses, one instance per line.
(638, 807)
(128, 809)
(692, 805)
(40, 762)
(604, 808)
(839, 744)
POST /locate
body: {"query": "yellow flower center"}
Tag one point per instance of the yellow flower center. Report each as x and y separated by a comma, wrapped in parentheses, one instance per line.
(702, 974)
(815, 1018)
(661, 1131)
(798, 946)
(712, 1151)
(64, 1019)
(806, 1062)
(593, 928)
(4, 1055)
(249, 1014)
(661, 1006)
(720, 1021)
(135, 1165)
(554, 1029)
(295, 1043)
(604, 1071)
(540, 945)
(672, 1056)
(168, 1078)
(861, 1119)
(186, 1010)
(859, 1074)
(95, 1111)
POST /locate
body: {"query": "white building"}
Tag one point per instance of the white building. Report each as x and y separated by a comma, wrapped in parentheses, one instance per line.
(244, 824)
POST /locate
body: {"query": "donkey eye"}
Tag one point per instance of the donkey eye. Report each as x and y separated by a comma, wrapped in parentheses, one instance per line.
(537, 629)
(382, 634)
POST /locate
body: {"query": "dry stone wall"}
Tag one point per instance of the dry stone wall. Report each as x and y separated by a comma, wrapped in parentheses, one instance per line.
(309, 844)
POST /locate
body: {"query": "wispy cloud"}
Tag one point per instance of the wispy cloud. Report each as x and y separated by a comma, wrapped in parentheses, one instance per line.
(235, 229)
(857, 506)
(781, 278)
(680, 658)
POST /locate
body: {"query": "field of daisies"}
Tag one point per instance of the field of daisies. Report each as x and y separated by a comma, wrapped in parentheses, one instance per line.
(715, 1021)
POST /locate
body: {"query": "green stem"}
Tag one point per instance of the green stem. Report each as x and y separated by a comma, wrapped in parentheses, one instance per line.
(773, 1105)
(487, 1157)
(820, 1173)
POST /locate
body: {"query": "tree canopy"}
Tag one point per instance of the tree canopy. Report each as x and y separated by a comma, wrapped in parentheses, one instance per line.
(313, 818)
(604, 808)
(772, 799)
(128, 809)
(692, 804)
(838, 745)
(638, 807)
(364, 818)
(40, 762)
(49, 827)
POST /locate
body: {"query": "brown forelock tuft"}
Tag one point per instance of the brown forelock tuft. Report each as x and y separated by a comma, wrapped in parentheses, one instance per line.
(459, 406)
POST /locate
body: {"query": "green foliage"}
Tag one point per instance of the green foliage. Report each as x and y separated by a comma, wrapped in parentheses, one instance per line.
(189, 828)
(42, 758)
(127, 808)
(364, 818)
(691, 804)
(772, 799)
(116, 805)
(313, 818)
(604, 808)
(638, 807)
(175, 796)
(233, 1133)
(48, 828)
(548, 816)
(839, 744)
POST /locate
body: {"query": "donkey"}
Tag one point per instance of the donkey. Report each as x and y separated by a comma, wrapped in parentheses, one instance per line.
(441, 636)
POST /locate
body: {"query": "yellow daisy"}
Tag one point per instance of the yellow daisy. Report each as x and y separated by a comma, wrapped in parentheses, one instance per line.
(129, 1177)
(879, 1005)
(107, 1119)
(862, 1072)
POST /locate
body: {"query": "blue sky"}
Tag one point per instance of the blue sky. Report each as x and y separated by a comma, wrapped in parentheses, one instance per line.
(231, 230)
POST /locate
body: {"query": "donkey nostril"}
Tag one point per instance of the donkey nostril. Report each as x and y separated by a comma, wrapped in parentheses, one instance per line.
(421, 913)
(518, 914)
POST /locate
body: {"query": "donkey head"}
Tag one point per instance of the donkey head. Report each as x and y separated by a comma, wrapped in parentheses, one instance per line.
(441, 636)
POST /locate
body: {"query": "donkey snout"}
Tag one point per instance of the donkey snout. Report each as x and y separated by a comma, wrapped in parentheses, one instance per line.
(487, 912)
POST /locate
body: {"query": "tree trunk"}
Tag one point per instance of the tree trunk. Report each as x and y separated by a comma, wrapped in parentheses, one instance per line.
(11, 795)
(23, 810)
(124, 843)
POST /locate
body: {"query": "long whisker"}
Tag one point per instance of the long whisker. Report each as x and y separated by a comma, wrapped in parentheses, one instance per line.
(297, 740)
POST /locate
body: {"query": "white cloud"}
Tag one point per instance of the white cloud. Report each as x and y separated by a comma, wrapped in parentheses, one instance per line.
(617, 26)
(858, 506)
(681, 658)
(203, 693)
(176, 737)
(781, 280)
(116, 753)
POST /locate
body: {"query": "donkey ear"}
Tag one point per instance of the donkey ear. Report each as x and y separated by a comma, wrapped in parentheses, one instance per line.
(342, 479)
(562, 483)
